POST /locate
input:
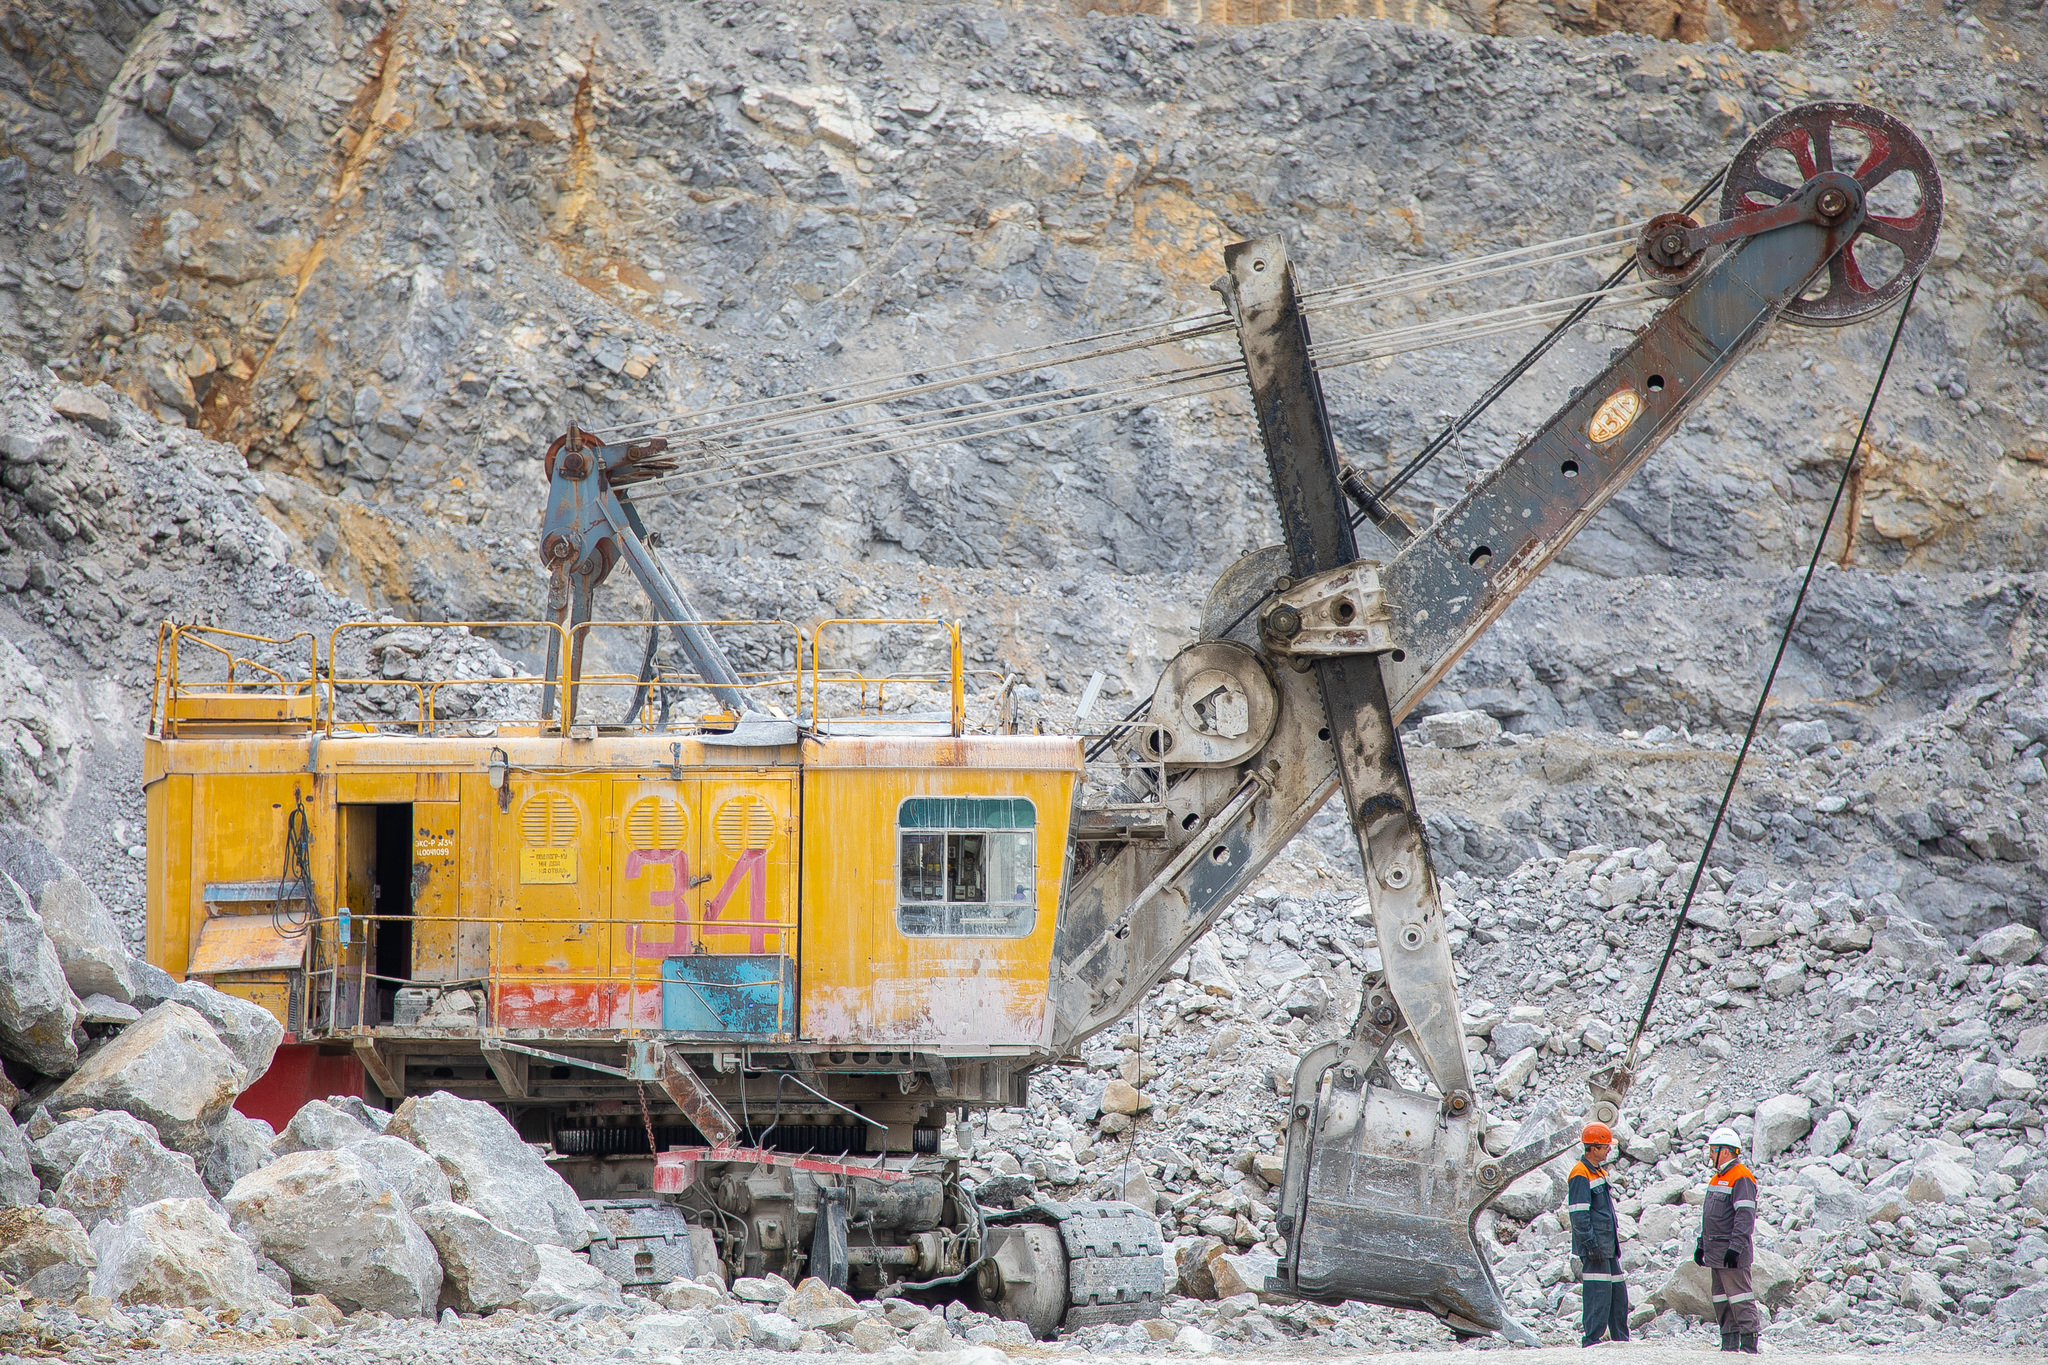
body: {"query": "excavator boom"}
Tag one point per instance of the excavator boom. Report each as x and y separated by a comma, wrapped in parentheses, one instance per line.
(1312, 653)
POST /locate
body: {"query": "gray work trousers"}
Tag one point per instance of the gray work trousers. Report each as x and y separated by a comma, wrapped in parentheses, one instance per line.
(1735, 1305)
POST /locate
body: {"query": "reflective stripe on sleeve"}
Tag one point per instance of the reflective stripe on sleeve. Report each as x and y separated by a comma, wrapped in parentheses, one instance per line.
(1745, 1203)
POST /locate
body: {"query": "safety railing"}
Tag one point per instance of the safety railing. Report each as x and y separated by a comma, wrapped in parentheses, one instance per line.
(626, 988)
(657, 690)
(827, 674)
(869, 691)
(228, 701)
(426, 692)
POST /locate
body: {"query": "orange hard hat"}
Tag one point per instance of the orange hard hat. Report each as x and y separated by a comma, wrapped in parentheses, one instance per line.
(1597, 1134)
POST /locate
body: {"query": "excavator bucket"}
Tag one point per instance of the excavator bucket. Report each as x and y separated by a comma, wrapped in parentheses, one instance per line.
(1381, 1192)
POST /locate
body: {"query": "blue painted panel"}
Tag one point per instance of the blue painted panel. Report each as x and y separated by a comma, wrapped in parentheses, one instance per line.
(732, 993)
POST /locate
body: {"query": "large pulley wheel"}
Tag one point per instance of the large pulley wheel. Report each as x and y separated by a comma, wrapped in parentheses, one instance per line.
(1902, 201)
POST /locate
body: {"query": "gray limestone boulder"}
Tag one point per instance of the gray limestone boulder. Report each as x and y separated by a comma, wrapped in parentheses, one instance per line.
(169, 1069)
(568, 1281)
(404, 1169)
(1780, 1121)
(1923, 953)
(334, 1224)
(1837, 1201)
(377, 1120)
(2007, 944)
(45, 1252)
(492, 1169)
(1688, 1291)
(18, 1182)
(240, 1145)
(486, 1267)
(250, 1031)
(38, 1010)
(1533, 1195)
(180, 1253)
(87, 941)
(106, 1165)
(1459, 729)
(319, 1126)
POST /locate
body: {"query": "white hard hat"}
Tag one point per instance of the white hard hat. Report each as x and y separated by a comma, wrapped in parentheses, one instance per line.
(1725, 1136)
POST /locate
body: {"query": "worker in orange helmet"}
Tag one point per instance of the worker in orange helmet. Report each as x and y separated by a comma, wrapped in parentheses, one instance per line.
(1727, 1245)
(1596, 1239)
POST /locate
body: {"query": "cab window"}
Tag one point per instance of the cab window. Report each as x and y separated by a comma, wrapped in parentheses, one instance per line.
(967, 866)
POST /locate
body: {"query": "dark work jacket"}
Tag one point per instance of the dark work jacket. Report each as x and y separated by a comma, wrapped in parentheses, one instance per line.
(1595, 1234)
(1728, 1218)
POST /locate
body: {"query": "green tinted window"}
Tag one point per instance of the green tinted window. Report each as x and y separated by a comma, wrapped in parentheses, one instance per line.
(967, 866)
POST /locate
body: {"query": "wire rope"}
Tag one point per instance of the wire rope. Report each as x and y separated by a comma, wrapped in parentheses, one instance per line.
(1443, 439)
(959, 422)
(836, 398)
(1763, 695)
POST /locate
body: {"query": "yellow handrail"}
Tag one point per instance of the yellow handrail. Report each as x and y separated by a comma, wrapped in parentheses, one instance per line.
(954, 677)
(171, 637)
(424, 717)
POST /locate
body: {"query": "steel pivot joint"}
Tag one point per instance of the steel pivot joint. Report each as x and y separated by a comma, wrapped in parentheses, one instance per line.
(1341, 611)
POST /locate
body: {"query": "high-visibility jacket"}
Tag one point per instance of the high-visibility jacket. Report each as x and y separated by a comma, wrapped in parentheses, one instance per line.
(1596, 1236)
(1728, 1217)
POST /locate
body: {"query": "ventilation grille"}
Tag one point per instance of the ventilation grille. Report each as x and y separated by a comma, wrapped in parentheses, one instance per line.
(743, 823)
(548, 820)
(654, 823)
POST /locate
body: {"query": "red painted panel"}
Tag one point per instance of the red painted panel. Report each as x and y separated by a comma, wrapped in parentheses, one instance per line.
(579, 1005)
(299, 1073)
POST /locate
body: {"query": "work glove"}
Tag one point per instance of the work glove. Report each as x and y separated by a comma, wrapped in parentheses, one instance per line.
(1730, 1259)
(1699, 1253)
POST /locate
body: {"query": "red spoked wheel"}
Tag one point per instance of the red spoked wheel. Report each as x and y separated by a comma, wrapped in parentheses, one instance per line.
(1902, 201)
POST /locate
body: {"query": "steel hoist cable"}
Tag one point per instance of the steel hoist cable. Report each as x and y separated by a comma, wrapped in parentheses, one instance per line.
(1443, 439)
(1763, 696)
(750, 442)
(770, 458)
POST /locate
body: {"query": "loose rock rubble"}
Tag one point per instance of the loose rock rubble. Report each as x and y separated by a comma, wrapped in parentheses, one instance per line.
(595, 214)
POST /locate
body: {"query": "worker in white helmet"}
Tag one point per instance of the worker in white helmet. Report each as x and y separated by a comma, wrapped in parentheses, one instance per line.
(1727, 1245)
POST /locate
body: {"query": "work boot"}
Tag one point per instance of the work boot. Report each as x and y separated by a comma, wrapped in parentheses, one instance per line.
(1729, 1342)
(1746, 1343)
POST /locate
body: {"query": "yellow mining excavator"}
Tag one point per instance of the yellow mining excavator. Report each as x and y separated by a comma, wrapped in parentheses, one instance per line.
(743, 947)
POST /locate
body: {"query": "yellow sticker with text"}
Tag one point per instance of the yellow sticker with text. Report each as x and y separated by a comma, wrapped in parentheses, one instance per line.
(1614, 416)
(546, 866)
